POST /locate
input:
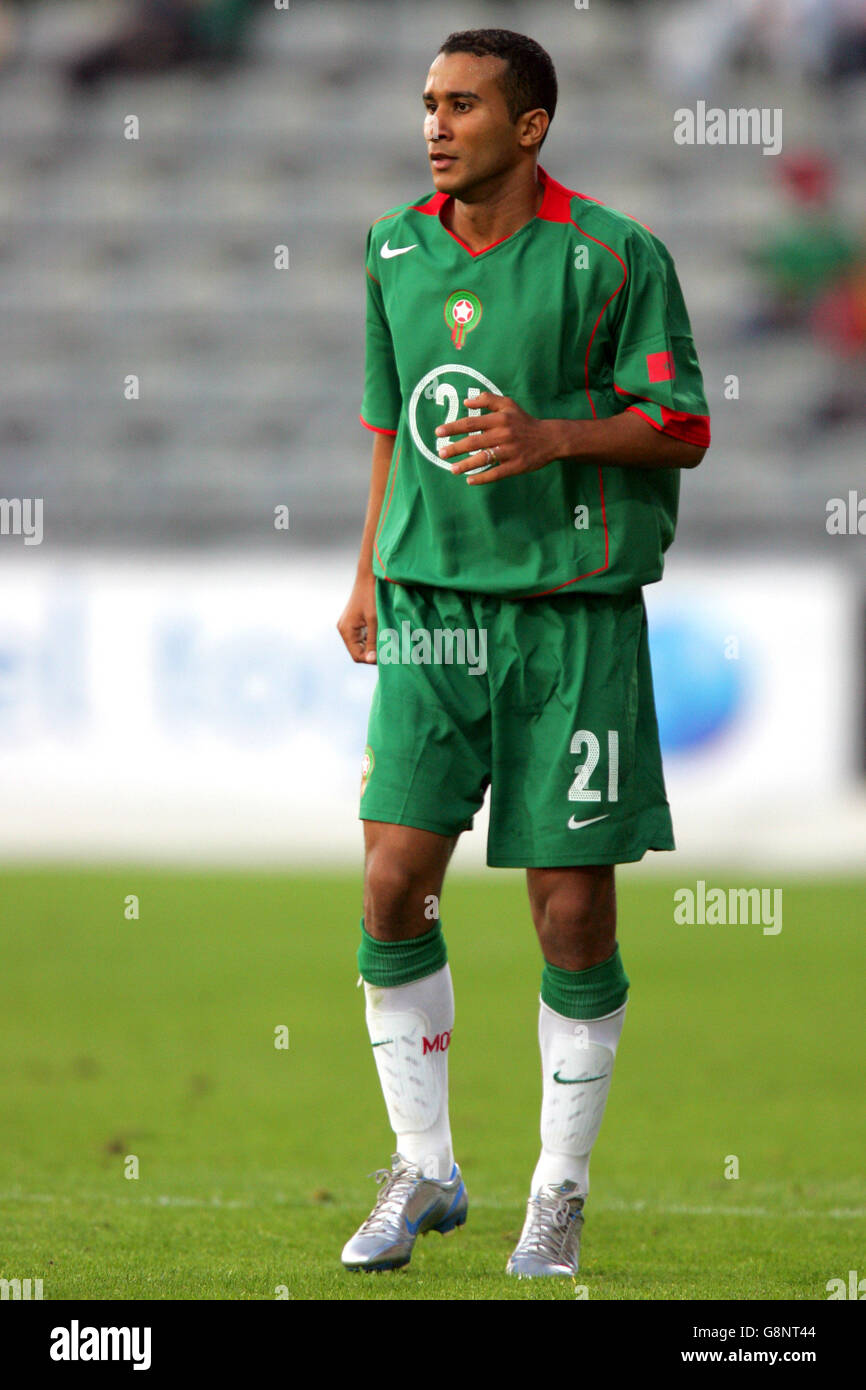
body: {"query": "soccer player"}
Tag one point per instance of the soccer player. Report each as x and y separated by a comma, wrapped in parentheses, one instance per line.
(534, 392)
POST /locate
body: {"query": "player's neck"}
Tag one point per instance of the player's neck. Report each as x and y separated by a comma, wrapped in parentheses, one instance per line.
(508, 208)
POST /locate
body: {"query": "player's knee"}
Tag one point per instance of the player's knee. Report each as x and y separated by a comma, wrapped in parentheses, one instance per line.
(393, 899)
(566, 919)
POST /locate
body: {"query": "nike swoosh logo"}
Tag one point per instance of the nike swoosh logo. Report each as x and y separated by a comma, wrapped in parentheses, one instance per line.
(579, 824)
(389, 251)
(576, 1080)
(383, 1043)
(412, 1226)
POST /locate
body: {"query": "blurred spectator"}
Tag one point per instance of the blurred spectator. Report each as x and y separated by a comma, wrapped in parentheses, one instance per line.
(846, 46)
(157, 35)
(814, 272)
(697, 42)
(8, 34)
(839, 321)
(808, 252)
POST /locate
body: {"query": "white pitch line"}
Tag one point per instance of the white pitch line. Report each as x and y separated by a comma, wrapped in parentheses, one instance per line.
(482, 1203)
(681, 1209)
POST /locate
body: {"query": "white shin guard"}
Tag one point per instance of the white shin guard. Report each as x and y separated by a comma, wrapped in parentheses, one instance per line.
(410, 1029)
(577, 1058)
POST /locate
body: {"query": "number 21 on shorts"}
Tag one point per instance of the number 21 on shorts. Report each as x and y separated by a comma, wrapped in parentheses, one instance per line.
(580, 789)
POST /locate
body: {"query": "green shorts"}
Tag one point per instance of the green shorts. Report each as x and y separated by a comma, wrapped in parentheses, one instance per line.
(548, 701)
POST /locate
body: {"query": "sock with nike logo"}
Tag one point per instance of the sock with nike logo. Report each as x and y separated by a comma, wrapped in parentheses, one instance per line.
(410, 1018)
(581, 1015)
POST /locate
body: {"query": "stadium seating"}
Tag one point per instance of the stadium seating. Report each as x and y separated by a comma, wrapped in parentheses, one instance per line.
(155, 257)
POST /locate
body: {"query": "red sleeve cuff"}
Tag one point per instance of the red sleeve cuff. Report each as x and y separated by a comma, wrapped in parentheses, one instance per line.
(377, 429)
(691, 429)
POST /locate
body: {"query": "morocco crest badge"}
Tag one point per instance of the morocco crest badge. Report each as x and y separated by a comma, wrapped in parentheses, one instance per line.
(367, 764)
(462, 314)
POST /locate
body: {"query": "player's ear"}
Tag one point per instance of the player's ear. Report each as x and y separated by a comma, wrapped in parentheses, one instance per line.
(533, 128)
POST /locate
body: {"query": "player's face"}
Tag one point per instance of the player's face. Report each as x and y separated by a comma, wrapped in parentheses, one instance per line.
(469, 135)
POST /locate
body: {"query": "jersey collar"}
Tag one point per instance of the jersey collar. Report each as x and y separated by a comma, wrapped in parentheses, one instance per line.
(555, 207)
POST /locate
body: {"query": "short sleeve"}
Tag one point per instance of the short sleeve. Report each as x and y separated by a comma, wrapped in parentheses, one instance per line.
(382, 402)
(656, 370)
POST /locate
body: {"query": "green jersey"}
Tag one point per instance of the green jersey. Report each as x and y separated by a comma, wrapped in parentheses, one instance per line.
(577, 315)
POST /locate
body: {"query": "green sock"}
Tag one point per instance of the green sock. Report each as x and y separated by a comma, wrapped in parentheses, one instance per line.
(592, 993)
(390, 963)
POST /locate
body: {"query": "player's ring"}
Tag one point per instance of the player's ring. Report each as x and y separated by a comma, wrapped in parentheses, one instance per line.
(492, 454)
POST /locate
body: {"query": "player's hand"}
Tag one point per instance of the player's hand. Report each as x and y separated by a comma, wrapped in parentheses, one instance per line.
(519, 442)
(357, 624)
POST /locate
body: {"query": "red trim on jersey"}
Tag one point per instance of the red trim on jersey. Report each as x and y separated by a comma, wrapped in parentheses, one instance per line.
(555, 207)
(603, 307)
(556, 204)
(386, 215)
(588, 198)
(372, 276)
(384, 515)
(691, 429)
(694, 429)
(679, 424)
(377, 429)
(433, 204)
(589, 573)
(558, 192)
(472, 253)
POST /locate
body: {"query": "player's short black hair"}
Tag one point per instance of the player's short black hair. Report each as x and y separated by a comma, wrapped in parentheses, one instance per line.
(528, 82)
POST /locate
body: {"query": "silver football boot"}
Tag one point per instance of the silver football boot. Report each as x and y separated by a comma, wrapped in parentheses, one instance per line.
(550, 1240)
(408, 1205)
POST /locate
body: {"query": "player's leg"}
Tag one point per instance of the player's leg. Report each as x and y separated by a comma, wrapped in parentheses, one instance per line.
(407, 983)
(581, 1014)
(577, 789)
(410, 1018)
(426, 767)
(404, 869)
(574, 914)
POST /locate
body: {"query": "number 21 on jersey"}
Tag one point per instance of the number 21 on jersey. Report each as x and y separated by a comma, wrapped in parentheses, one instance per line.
(580, 789)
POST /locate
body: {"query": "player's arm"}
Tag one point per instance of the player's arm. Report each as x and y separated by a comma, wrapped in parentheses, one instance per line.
(626, 440)
(521, 443)
(357, 623)
(380, 412)
(664, 422)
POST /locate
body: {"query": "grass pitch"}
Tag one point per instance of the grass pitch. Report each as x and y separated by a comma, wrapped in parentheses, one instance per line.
(153, 1038)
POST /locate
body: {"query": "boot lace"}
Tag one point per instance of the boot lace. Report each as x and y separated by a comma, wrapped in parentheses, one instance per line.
(553, 1220)
(395, 1185)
